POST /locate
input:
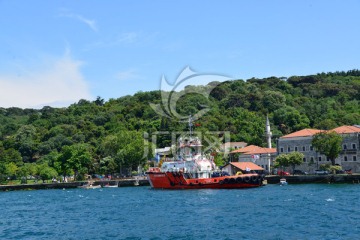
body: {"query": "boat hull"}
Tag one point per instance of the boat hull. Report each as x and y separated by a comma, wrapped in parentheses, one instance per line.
(177, 180)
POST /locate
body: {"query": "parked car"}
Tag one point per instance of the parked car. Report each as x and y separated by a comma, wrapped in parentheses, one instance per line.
(300, 172)
(321, 172)
(283, 173)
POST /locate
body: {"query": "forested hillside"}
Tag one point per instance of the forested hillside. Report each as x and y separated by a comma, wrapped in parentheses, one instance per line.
(105, 137)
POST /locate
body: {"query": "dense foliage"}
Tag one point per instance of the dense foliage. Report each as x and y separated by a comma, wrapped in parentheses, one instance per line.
(329, 144)
(107, 137)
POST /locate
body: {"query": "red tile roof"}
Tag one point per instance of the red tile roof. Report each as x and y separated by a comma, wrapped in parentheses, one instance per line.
(303, 133)
(252, 149)
(310, 132)
(244, 165)
(347, 129)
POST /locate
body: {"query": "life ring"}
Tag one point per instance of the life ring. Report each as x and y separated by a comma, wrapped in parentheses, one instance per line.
(254, 179)
(239, 180)
(247, 179)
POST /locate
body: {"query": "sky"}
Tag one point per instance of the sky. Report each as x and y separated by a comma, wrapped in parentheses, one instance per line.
(54, 53)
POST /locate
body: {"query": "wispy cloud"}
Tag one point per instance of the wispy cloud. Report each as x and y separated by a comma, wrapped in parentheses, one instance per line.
(89, 22)
(129, 74)
(59, 83)
(120, 39)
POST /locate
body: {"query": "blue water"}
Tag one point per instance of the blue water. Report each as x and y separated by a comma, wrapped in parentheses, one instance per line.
(313, 211)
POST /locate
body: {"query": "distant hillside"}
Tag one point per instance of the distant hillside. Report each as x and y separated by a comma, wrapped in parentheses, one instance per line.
(322, 101)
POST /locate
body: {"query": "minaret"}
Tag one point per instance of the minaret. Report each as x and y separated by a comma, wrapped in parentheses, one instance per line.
(268, 132)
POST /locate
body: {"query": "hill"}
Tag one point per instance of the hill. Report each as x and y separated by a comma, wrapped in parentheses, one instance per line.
(107, 137)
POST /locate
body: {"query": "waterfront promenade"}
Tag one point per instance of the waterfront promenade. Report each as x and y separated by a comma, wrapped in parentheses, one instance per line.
(131, 182)
(36, 186)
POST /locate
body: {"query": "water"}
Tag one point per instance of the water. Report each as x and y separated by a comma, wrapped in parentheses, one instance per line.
(312, 211)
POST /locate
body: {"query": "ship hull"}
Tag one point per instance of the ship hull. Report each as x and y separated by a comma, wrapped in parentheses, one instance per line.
(177, 180)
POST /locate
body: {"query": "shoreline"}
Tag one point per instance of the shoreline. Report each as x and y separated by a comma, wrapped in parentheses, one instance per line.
(271, 179)
(68, 185)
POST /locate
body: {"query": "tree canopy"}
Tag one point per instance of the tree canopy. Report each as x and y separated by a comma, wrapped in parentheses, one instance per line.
(329, 144)
(105, 136)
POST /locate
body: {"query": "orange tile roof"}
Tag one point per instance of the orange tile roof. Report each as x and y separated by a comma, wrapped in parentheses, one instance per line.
(244, 165)
(347, 129)
(252, 149)
(303, 133)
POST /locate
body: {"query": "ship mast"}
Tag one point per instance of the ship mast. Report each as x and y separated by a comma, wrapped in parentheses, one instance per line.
(190, 125)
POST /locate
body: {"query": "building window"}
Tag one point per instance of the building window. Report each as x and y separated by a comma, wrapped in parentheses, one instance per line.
(353, 146)
(304, 159)
(345, 158)
(311, 159)
(319, 159)
(288, 149)
(311, 148)
(296, 148)
(327, 159)
(354, 158)
(344, 147)
(281, 149)
(304, 149)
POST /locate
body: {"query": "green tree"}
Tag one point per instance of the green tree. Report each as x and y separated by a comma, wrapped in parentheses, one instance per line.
(295, 158)
(11, 169)
(292, 159)
(329, 144)
(46, 172)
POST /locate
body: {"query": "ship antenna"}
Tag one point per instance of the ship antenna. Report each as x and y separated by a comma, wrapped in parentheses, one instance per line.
(190, 125)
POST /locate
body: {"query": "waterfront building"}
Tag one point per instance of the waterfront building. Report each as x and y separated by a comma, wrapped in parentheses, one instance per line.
(349, 157)
(229, 146)
(263, 157)
(235, 167)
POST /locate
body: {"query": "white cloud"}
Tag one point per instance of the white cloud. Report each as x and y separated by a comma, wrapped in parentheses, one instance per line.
(90, 23)
(58, 84)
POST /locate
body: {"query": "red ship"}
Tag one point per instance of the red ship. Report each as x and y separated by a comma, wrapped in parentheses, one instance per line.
(192, 170)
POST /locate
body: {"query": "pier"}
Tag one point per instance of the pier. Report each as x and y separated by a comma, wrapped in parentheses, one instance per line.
(330, 178)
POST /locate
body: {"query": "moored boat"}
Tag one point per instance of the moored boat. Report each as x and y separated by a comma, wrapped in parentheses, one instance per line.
(89, 186)
(283, 181)
(190, 169)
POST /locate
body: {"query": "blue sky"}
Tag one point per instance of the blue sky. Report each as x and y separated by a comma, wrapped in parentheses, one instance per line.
(57, 52)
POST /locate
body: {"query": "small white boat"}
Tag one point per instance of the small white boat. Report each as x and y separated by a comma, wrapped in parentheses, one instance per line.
(110, 186)
(89, 186)
(283, 181)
